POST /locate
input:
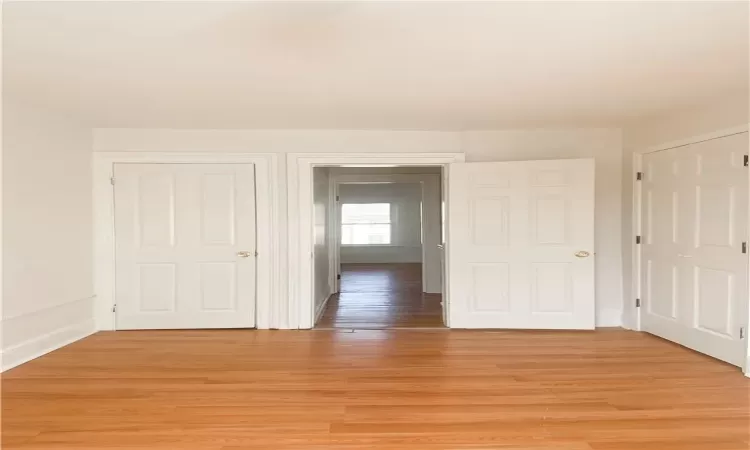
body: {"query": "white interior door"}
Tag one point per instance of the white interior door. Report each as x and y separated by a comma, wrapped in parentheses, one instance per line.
(694, 271)
(185, 246)
(521, 244)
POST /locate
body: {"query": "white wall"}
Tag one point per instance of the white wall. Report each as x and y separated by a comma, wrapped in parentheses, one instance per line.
(406, 229)
(322, 232)
(279, 142)
(604, 145)
(47, 233)
(275, 141)
(723, 113)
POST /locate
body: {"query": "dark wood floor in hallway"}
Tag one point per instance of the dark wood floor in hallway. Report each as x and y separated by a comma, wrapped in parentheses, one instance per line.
(382, 296)
(374, 389)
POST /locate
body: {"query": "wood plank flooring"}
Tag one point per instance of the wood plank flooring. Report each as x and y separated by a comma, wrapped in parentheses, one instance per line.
(382, 296)
(375, 389)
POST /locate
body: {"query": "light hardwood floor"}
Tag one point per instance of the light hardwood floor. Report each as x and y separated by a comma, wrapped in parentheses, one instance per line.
(382, 296)
(389, 389)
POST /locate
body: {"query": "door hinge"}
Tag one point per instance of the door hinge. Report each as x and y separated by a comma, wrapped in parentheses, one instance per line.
(639, 176)
(338, 277)
(638, 303)
(637, 239)
(746, 160)
(112, 181)
(742, 332)
(744, 247)
(337, 198)
(114, 308)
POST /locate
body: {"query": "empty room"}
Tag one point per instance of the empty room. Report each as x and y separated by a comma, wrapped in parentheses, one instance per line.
(375, 225)
(378, 247)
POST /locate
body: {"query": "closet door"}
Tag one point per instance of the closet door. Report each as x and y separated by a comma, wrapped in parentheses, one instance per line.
(693, 258)
(185, 246)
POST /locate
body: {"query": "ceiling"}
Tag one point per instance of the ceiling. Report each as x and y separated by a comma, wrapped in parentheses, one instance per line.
(372, 65)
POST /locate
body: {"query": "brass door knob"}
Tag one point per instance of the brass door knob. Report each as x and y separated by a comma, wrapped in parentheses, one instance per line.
(582, 254)
(244, 254)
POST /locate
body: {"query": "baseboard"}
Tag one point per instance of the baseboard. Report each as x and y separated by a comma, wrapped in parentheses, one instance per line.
(34, 348)
(629, 321)
(321, 309)
(606, 318)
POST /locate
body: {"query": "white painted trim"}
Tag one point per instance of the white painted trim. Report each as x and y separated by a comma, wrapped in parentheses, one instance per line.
(41, 345)
(266, 182)
(697, 138)
(332, 231)
(608, 318)
(322, 308)
(384, 178)
(445, 249)
(634, 319)
(299, 210)
(2, 252)
(746, 367)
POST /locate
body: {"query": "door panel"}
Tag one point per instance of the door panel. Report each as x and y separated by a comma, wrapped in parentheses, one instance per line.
(695, 219)
(490, 287)
(514, 231)
(156, 198)
(714, 300)
(156, 287)
(549, 216)
(551, 288)
(180, 229)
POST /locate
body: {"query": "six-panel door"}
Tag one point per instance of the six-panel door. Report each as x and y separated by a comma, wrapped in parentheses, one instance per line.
(522, 244)
(694, 221)
(185, 246)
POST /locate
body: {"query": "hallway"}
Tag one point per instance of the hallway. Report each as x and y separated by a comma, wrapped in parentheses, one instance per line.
(382, 296)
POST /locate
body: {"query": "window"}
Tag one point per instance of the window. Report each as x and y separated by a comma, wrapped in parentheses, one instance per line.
(366, 224)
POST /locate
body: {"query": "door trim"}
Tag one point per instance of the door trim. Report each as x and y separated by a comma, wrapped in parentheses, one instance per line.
(300, 217)
(696, 139)
(267, 216)
(637, 281)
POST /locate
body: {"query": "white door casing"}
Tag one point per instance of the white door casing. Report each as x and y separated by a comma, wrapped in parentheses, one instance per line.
(185, 246)
(443, 248)
(300, 217)
(515, 231)
(693, 270)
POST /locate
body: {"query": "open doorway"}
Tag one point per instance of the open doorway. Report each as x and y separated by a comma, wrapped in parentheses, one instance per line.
(378, 247)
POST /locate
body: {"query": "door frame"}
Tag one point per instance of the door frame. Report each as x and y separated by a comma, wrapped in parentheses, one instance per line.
(637, 281)
(267, 224)
(300, 216)
(422, 180)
